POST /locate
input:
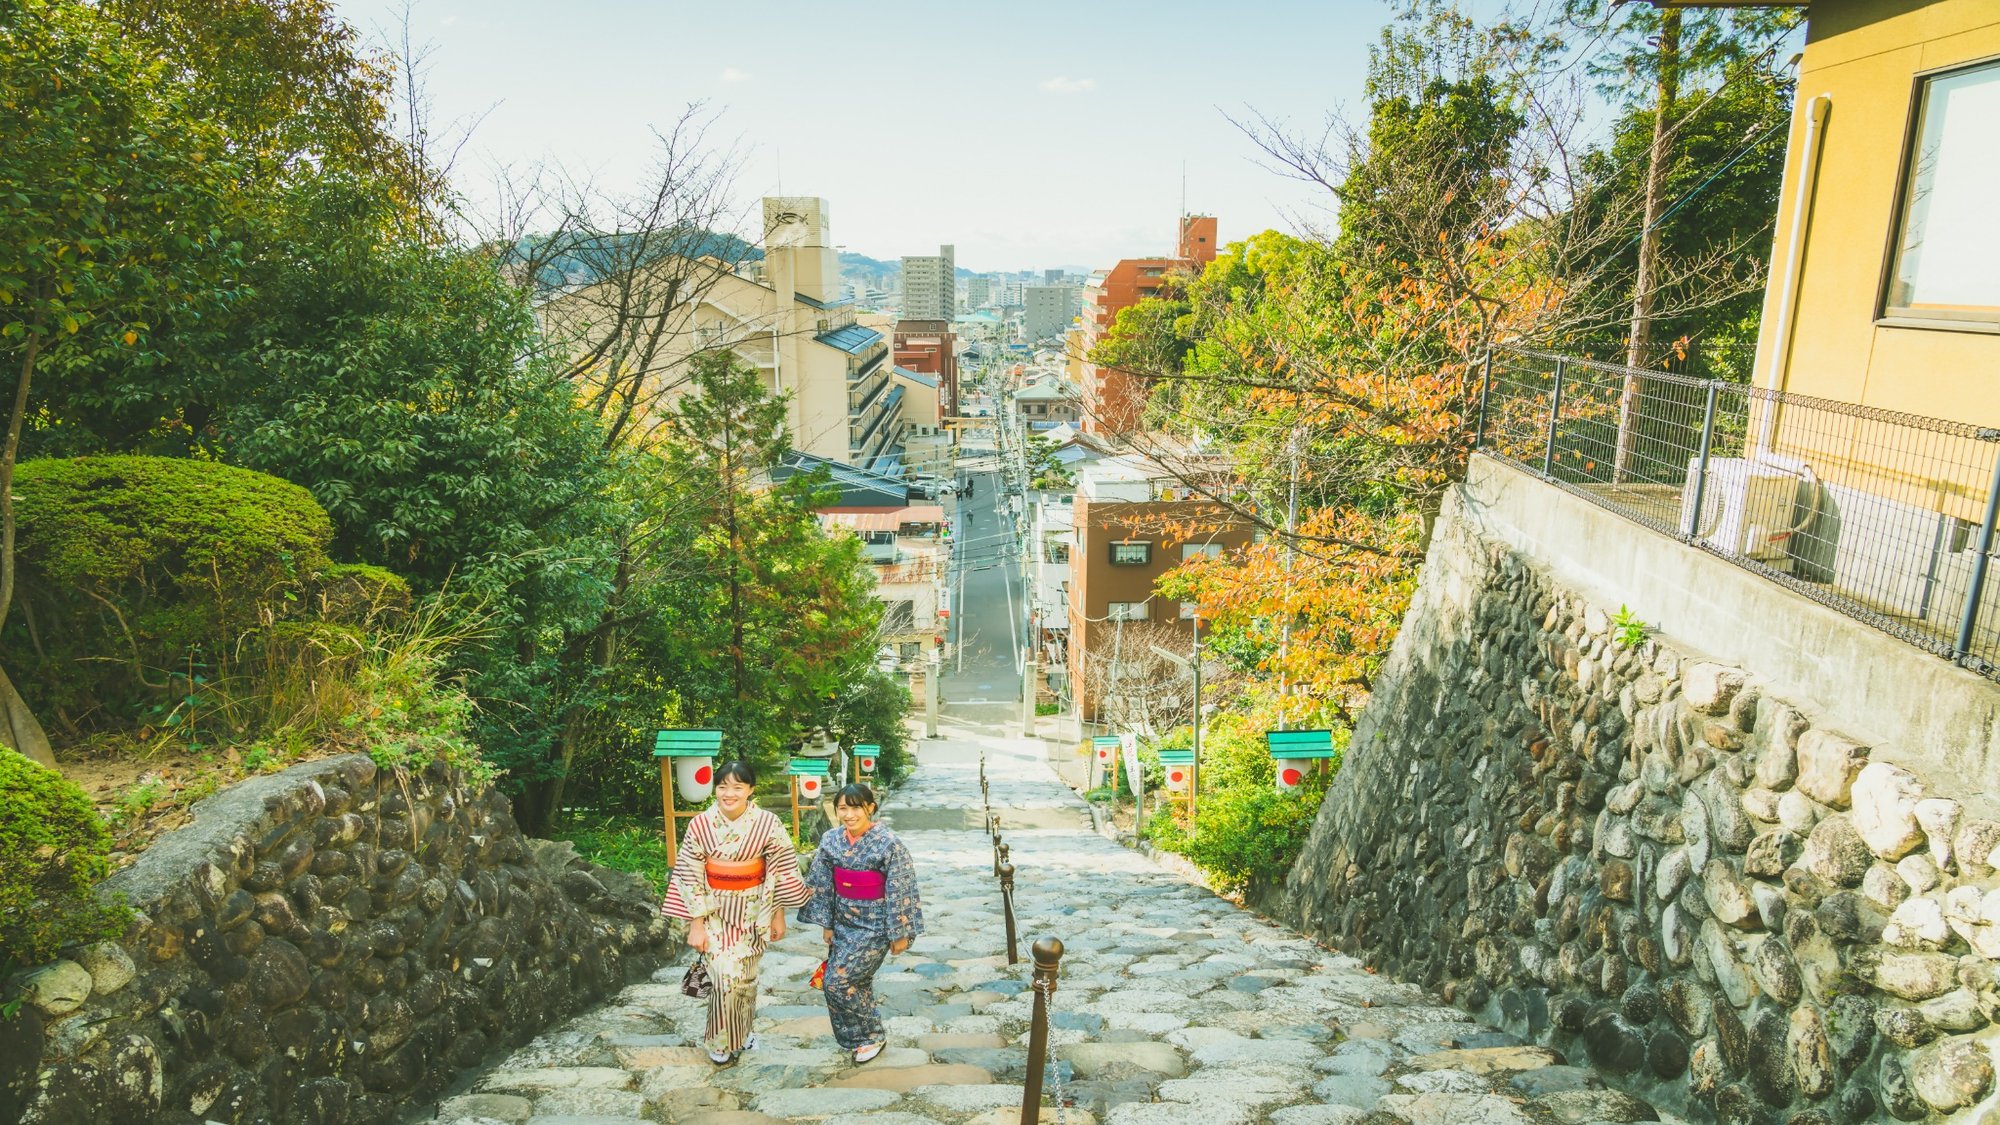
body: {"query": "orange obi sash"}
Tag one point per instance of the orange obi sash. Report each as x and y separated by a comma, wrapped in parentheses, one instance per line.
(735, 874)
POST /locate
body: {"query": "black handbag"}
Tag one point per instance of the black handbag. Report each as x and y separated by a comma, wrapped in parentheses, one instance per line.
(696, 982)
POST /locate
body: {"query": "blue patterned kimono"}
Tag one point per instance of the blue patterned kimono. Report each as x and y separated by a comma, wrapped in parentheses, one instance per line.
(862, 929)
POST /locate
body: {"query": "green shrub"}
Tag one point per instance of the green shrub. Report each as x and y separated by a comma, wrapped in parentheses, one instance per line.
(140, 576)
(1246, 832)
(52, 853)
(624, 843)
(360, 594)
(1250, 835)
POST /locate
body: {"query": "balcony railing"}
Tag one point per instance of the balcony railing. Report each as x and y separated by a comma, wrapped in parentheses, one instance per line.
(1886, 517)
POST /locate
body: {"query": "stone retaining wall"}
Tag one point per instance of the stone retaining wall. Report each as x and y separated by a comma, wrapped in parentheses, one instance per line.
(323, 945)
(1655, 863)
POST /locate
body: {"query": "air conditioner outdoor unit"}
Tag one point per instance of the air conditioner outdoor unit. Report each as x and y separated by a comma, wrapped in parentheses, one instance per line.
(1751, 507)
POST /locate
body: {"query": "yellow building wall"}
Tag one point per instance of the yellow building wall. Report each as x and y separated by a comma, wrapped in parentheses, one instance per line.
(1865, 56)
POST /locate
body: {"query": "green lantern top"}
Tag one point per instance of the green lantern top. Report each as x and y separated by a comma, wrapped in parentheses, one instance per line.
(687, 744)
(1297, 744)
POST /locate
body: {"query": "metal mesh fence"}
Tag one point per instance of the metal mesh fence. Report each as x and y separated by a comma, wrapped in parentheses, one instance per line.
(1886, 517)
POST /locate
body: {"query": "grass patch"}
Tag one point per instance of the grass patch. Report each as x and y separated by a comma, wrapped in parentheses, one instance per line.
(620, 842)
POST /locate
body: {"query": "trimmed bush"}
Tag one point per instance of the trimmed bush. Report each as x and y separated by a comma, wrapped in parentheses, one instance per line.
(141, 575)
(360, 594)
(53, 851)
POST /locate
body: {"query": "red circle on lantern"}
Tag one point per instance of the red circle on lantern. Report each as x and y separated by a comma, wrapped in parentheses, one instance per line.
(702, 774)
(867, 763)
(1290, 775)
(1177, 776)
(1103, 754)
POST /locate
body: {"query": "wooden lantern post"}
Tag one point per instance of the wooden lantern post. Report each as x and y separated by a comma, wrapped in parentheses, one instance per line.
(1181, 794)
(1105, 747)
(671, 744)
(797, 768)
(1293, 751)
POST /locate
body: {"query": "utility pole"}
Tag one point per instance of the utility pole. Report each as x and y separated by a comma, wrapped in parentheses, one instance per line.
(1194, 770)
(931, 675)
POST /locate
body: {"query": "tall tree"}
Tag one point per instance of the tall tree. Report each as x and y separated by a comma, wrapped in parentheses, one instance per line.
(114, 197)
(733, 430)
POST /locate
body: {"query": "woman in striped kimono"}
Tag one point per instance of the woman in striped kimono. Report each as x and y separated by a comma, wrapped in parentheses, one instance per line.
(736, 874)
(865, 901)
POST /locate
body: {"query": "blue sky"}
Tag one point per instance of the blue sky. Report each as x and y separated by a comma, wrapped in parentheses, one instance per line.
(1030, 135)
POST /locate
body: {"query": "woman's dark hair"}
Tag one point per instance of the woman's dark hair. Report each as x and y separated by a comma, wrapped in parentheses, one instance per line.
(855, 796)
(737, 770)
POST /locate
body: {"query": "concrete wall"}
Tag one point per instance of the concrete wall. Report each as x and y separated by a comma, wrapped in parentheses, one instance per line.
(325, 945)
(1917, 710)
(1712, 863)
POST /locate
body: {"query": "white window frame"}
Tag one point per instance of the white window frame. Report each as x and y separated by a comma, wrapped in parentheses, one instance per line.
(1976, 318)
(1130, 611)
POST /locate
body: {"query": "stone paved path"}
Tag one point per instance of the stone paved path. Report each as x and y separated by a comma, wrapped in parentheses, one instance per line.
(1174, 1006)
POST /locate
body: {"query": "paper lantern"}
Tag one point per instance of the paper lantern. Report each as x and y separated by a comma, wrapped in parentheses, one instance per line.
(1177, 778)
(867, 764)
(694, 778)
(811, 786)
(1289, 773)
(1292, 754)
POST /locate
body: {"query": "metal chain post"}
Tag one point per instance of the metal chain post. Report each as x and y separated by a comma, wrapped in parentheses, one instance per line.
(1007, 905)
(1048, 963)
(1485, 386)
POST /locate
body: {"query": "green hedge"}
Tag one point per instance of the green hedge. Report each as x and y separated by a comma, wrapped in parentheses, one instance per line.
(53, 851)
(141, 577)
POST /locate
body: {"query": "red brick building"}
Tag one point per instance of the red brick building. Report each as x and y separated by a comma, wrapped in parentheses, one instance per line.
(1114, 400)
(1133, 523)
(930, 347)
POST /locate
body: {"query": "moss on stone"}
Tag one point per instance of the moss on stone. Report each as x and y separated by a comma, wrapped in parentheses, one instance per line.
(53, 850)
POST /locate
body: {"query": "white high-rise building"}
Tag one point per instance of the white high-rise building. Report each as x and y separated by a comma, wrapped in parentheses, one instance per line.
(1050, 309)
(930, 286)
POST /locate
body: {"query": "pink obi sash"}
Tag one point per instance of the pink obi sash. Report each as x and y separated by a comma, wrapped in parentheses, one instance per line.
(863, 885)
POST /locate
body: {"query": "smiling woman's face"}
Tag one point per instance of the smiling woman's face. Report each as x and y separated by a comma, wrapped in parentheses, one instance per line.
(732, 797)
(854, 818)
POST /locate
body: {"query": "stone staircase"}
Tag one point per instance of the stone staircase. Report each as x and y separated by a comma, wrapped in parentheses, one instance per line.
(1174, 1006)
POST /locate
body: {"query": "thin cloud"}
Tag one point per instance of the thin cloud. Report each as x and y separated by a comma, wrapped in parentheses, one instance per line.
(1062, 85)
(731, 74)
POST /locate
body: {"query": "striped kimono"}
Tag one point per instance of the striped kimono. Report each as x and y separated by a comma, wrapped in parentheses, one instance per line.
(738, 922)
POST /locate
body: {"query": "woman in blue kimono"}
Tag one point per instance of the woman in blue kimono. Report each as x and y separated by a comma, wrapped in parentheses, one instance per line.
(866, 906)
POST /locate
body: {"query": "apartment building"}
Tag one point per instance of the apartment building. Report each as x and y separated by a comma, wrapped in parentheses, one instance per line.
(1051, 309)
(1132, 521)
(1114, 401)
(930, 286)
(930, 347)
(784, 316)
(903, 541)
